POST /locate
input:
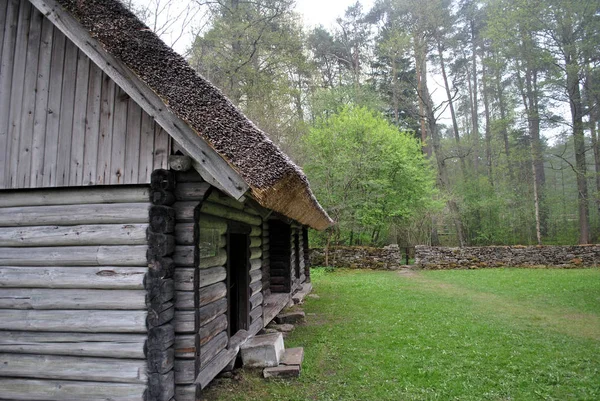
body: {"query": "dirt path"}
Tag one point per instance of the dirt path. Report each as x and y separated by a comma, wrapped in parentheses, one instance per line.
(562, 320)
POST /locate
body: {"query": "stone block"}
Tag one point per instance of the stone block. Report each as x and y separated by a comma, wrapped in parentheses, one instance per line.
(282, 371)
(290, 317)
(263, 351)
(292, 356)
(284, 328)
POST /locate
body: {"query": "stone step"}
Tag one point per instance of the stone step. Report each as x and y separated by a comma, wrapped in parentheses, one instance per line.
(263, 351)
(281, 371)
(298, 297)
(290, 317)
(292, 356)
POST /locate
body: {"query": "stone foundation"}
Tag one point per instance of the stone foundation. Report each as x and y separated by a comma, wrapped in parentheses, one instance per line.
(428, 257)
(388, 258)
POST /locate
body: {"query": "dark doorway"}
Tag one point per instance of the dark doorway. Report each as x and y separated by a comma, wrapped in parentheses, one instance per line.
(238, 281)
(297, 253)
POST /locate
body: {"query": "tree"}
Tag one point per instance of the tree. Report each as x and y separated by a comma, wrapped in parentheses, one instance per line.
(366, 173)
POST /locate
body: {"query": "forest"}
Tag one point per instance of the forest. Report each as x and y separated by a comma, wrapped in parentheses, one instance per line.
(452, 122)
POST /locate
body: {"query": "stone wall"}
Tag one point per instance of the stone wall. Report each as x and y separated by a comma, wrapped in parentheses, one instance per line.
(429, 257)
(359, 257)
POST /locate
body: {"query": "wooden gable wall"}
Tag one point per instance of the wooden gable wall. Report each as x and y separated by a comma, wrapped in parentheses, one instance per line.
(63, 122)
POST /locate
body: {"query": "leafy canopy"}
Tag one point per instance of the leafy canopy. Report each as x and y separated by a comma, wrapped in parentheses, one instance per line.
(366, 172)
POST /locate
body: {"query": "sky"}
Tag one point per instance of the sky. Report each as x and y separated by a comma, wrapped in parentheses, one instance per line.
(325, 12)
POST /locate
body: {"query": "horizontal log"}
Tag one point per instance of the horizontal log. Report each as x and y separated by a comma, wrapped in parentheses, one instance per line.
(96, 277)
(255, 276)
(186, 392)
(230, 213)
(212, 275)
(211, 329)
(99, 234)
(256, 327)
(75, 196)
(132, 255)
(255, 242)
(184, 233)
(73, 368)
(252, 211)
(255, 253)
(185, 346)
(255, 314)
(184, 322)
(255, 264)
(255, 287)
(265, 241)
(106, 213)
(191, 191)
(185, 370)
(211, 311)
(212, 348)
(218, 198)
(212, 293)
(184, 300)
(256, 300)
(209, 222)
(129, 346)
(27, 298)
(184, 255)
(48, 390)
(74, 320)
(210, 241)
(184, 278)
(218, 260)
(184, 211)
(256, 231)
(214, 367)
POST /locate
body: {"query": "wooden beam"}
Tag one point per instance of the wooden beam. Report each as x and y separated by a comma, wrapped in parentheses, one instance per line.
(82, 299)
(75, 320)
(211, 166)
(75, 196)
(214, 367)
(130, 346)
(69, 368)
(47, 390)
(133, 255)
(230, 213)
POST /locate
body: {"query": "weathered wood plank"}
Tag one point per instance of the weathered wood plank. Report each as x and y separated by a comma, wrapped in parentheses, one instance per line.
(117, 157)
(211, 222)
(129, 346)
(212, 275)
(209, 312)
(255, 288)
(23, 172)
(191, 191)
(255, 264)
(75, 196)
(222, 199)
(86, 299)
(184, 255)
(92, 125)
(41, 105)
(132, 143)
(256, 314)
(212, 348)
(214, 367)
(230, 213)
(103, 277)
(97, 234)
(53, 114)
(119, 213)
(255, 276)
(6, 72)
(186, 392)
(210, 330)
(67, 106)
(69, 368)
(184, 211)
(146, 156)
(256, 327)
(184, 322)
(185, 346)
(47, 390)
(79, 120)
(161, 148)
(256, 300)
(184, 278)
(75, 320)
(255, 242)
(133, 255)
(107, 106)
(212, 293)
(184, 371)
(255, 253)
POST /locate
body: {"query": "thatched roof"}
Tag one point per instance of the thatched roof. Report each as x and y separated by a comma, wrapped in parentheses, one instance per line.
(274, 180)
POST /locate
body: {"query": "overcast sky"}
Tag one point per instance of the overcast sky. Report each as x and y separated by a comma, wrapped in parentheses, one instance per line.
(325, 12)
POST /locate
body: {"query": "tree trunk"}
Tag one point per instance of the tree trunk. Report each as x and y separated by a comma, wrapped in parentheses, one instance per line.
(474, 104)
(488, 130)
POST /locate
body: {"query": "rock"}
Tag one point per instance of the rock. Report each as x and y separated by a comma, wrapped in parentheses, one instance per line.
(314, 296)
(282, 371)
(290, 317)
(293, 356)
(263, 351)
(225, 375)
(284, 328)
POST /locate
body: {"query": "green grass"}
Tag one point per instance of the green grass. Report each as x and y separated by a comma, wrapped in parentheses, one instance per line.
(497, 334)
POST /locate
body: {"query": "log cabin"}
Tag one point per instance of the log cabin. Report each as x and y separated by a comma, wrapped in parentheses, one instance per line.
(147, 227)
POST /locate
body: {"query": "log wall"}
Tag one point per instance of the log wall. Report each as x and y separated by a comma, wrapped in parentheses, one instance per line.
(72, 297)
(63, 122)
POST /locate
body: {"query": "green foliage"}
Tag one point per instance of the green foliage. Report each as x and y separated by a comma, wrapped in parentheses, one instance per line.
(472, 335)
(366, 172)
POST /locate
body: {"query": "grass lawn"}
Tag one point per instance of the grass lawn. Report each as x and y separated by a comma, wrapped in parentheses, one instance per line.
(497, 334)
